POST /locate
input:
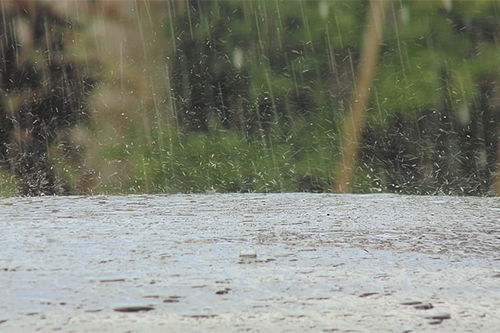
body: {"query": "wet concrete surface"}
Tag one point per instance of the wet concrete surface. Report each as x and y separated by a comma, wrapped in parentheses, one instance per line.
(250, 262)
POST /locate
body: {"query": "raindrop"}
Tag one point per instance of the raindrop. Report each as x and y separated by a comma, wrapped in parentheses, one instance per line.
(323, 9)
(238, 58)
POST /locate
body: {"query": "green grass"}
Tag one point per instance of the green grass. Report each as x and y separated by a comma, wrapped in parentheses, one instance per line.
(8, 185)
(227, 161)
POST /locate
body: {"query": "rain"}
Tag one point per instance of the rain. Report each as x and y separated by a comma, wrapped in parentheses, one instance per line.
(328, 105)
(253, 96)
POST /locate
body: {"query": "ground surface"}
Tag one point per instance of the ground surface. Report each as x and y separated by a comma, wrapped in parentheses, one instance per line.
(250, 262)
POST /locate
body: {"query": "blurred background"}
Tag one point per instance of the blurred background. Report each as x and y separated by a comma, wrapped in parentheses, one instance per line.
(139, 96)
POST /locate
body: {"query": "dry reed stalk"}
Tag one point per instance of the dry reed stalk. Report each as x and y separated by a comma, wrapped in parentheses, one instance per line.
(355, 119)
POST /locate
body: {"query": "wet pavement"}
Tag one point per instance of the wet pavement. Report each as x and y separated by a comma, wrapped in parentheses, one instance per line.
(250, 262)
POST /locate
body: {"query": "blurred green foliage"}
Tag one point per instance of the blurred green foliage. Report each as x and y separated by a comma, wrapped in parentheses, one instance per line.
(8, 185)
(261, 87)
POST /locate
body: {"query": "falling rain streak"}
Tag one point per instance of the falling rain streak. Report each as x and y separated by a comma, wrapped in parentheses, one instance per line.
(248, 96)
